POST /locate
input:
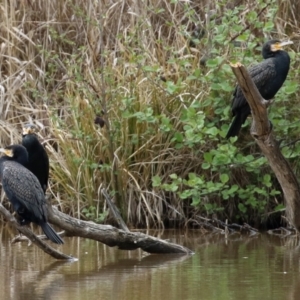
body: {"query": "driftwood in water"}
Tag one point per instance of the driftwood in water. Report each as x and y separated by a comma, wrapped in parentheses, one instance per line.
(112, 236)
(262, 133)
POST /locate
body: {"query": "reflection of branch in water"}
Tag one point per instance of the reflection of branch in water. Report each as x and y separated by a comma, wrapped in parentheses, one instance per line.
(217, 226)
(149, 261)
(40, 285)
(121, 272)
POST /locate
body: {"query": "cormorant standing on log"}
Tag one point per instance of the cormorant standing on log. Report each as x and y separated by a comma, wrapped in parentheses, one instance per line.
(38, 160)
(24, 190)
(268, 76)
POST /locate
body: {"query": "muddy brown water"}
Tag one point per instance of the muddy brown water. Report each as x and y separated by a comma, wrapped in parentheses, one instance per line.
(261, 267)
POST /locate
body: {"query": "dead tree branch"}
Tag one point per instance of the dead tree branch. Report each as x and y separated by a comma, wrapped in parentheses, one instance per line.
(261, 131)
(114, 210)
(112, 236)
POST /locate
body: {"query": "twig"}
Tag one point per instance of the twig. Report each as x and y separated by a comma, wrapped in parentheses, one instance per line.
(115, 211)
(249, 25)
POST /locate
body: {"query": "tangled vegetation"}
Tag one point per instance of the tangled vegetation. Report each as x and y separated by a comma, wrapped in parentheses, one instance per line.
(156, 74)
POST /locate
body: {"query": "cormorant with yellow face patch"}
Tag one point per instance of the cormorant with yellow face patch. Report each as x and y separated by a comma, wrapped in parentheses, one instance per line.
(268, 76)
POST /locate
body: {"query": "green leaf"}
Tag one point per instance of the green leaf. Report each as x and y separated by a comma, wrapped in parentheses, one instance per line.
(205, 166)
(212, 131)
(226, 86)
(178, 137)
(156, 181)
(212, 63)
(242, 208)
(196, 201)
(279, 207)
(215, 86)
(224, 178)
(268, 26)
(267, 180)
(207, 157)
(291, 87)
(171, 87)
(252, 15)
(233, 189)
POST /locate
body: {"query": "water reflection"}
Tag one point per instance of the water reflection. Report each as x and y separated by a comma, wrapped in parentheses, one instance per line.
(235, 268)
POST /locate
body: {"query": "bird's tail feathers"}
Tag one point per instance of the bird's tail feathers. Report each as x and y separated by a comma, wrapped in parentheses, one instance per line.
(51, 234)
(236, 125)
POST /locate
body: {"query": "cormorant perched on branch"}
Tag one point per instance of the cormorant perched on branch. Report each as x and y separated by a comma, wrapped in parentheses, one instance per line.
(268, 76)
(38, 160)
(24, 190)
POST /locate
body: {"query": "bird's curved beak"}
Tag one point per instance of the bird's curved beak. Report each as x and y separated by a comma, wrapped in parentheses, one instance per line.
(280, 45)
(6, 152)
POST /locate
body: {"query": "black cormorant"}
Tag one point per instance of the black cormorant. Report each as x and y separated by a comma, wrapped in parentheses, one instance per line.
(38, 160)
(268, 76)
(24, 190)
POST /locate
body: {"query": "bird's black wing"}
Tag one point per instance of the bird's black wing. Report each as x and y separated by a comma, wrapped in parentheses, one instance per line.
(261, 74)
(23, 189)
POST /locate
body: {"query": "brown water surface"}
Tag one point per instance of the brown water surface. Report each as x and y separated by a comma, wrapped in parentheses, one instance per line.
(262, 267)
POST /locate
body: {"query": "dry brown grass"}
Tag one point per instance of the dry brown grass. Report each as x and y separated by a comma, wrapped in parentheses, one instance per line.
(63, 62)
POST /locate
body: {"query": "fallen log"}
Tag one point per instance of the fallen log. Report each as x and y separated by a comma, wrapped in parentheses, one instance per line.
(112, 236)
